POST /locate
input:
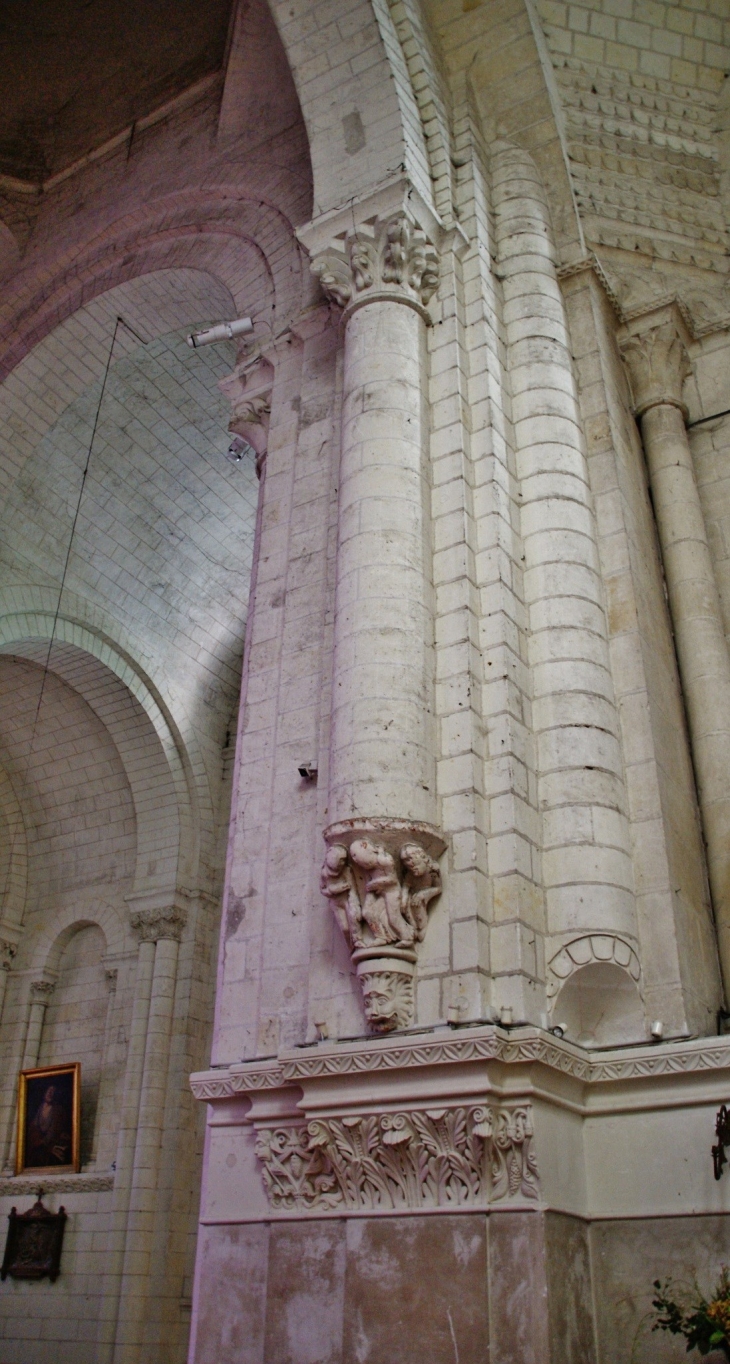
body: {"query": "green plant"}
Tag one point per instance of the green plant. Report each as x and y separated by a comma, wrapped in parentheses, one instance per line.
(704, 1322)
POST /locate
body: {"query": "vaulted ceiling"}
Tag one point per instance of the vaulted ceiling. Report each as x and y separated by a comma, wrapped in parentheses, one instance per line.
(75, 72)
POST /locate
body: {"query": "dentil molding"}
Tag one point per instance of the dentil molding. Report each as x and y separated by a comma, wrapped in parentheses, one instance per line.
(421, 1158)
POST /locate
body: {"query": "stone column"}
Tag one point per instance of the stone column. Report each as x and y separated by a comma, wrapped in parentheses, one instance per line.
(124, 1163)
(380, 871)
(586, 847)
(654, 348)
(161, 930)
(110, 974)
(40, 995)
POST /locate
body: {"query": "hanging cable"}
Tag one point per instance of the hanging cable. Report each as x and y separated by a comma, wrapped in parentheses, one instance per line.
(119, 322)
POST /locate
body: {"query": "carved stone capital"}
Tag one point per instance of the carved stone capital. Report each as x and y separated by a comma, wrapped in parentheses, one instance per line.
(41, 991)
(7, 953)
(470, 1155)
(390, 257)
(152, 924)
(655, 351)
(380, 877)
(248, 390)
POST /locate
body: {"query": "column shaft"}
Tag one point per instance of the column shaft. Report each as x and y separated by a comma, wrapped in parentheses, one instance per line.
(702, 649)
(382, 759)
(125, 1151)
(143, 1194)
(586, 860)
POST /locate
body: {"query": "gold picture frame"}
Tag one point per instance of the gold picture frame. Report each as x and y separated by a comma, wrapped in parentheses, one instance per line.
(49, 1120)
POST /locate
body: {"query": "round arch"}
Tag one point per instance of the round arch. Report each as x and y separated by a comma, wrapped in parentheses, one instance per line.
(229, 236)
(159, 770)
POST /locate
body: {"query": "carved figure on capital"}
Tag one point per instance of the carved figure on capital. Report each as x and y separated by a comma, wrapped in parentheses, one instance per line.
(380, 890)
(373, 904)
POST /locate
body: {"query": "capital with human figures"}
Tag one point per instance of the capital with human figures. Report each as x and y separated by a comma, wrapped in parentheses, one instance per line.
(380, 878)
(654, 349)
(390, 257)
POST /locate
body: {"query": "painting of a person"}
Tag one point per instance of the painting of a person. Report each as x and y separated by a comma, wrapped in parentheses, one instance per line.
(49, 1130)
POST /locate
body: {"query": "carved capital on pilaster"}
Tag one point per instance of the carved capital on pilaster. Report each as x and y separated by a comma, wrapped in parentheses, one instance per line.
(152, 924)
(248, 390)
(7, 953)
(387, 258)
(655, 351)
(41, 991)
(380, 877)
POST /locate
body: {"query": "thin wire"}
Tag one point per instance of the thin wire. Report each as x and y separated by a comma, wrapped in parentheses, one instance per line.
(71, 539)
(119, 322)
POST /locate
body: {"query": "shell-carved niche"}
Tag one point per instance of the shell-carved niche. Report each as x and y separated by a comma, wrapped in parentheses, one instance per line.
(380, 879)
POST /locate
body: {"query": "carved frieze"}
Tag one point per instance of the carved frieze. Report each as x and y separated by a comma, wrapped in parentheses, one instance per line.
(433, 1158)
(380, 881)
(390, 257)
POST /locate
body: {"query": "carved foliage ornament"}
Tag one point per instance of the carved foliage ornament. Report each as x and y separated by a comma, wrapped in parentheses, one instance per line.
(380, 898)
(437, 1157)
(392, 256)
(152, 924)
(658, 364)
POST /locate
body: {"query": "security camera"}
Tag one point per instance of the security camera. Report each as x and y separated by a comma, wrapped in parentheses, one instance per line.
(223, 331)
(308, 771)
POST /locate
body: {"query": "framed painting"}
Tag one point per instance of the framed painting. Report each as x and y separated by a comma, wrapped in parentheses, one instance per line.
(49, 1120)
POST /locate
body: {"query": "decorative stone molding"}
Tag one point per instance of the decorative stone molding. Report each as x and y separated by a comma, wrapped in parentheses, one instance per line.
(20, 1186)
(532, 1046)
(389, 257)
(152, 924)
(655, 351)
(425, 1158)
(380, 878)
(591, 947)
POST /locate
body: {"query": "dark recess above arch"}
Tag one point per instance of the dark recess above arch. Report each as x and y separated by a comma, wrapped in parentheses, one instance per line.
(75, 72)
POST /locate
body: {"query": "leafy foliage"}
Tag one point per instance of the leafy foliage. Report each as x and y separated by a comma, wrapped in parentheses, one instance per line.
(704, 1323)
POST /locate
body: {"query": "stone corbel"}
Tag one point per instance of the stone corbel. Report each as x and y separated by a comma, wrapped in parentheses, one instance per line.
(380, 877)
(248, 390)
